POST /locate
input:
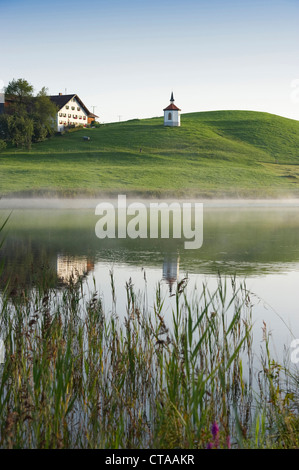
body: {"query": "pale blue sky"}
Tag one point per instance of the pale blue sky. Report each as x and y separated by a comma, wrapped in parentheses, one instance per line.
(125, 57)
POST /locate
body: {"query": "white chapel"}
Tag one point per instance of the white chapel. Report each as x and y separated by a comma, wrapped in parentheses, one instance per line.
(172, 114)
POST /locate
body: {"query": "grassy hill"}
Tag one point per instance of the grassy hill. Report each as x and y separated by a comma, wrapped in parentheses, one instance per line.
(220, 153)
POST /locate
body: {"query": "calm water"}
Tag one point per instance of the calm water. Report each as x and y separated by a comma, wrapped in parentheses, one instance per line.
(253, 241)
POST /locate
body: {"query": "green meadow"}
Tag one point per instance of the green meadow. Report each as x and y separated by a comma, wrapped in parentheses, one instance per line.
(212, 154)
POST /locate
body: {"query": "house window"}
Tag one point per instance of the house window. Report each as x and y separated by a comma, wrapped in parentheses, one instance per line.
(78, 109)
(73, 107)
(80, 117)
(169, 117)
(84, 117)
(67, 107)
(64, 115)
(60, 114)
(75, 116)
(69, 115)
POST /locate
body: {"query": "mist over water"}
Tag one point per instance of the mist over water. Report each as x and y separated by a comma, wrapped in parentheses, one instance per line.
(256, 241)
(90, 203)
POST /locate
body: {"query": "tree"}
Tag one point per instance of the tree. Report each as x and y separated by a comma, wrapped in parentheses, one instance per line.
(20, 89)
(21, 130)
(44, 115)
(40, 132)
(4, 130)
(2, 145)
(27, 111)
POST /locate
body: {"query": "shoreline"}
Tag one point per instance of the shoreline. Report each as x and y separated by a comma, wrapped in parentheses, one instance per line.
(91, 203)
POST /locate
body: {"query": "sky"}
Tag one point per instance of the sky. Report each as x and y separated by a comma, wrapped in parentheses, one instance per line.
(124, 58)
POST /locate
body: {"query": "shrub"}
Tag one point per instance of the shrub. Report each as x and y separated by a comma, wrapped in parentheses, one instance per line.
(40, 132)
(21, 130)
(4, 130)
(73, 128)
(2, 145)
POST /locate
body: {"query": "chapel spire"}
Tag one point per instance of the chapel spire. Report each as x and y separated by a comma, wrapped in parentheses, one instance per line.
(172, 114)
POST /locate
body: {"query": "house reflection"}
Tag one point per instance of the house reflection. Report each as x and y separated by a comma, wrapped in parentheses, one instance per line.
(72, 268)
(171, 267)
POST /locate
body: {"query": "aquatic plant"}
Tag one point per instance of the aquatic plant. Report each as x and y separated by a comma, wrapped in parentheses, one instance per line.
(75, 376)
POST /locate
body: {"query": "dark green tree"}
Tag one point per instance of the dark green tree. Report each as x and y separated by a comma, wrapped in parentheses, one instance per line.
(21, 130)
(20, 89)
(4, 130)
(25, 111)
(20, 92)
(2, 145)
(43, 116)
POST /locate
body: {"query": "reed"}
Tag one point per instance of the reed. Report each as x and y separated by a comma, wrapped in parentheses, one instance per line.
(77, 377)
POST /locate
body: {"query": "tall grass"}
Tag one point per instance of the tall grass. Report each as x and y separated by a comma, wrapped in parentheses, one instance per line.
(77, 377)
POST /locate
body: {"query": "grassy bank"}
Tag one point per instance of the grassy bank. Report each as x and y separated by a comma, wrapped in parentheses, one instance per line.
(75, 376)
(212, 154)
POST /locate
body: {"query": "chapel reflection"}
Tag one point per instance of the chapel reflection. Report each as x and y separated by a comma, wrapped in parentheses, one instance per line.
(171, 268)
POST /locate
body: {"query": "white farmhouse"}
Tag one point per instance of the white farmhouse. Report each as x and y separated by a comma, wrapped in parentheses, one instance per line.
(172, 114)
(71, 111)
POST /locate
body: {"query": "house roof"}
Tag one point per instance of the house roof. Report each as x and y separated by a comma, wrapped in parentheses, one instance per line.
(62, 100)
(172, 107)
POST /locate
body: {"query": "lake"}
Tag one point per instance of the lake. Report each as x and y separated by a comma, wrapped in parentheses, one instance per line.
(255, 241)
